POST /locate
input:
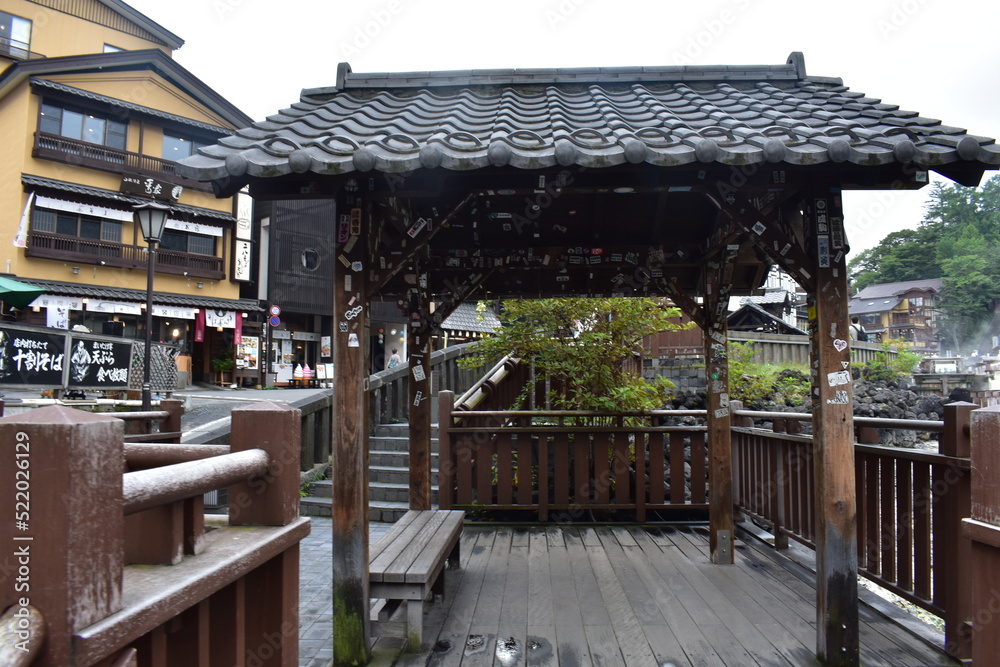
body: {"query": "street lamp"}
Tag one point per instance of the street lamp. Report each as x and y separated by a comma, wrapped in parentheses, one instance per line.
(152, 218)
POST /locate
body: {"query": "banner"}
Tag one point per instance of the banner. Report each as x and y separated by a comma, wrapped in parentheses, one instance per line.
(21, 238)
(238, 330)
(199, 326)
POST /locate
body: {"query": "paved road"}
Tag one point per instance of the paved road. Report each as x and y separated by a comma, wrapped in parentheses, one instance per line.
(207, 411)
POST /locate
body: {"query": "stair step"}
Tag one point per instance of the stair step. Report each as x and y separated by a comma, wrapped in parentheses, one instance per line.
(376, 489)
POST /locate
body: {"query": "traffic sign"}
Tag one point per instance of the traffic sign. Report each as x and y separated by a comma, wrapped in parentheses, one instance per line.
(275, 310)
(274, 321)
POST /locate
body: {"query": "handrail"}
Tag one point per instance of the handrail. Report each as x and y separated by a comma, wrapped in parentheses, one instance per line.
(22, 634)
(495, 375)
(144, 489)
(154, 455)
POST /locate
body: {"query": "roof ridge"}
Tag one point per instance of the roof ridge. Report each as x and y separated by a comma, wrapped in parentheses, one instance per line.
(794, 69)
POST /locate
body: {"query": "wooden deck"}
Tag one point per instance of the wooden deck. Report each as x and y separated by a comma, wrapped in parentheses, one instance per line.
(576, 596)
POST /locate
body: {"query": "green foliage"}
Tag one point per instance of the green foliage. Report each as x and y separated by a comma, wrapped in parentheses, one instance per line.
(754, 383)
(588, 346)
(891, 368)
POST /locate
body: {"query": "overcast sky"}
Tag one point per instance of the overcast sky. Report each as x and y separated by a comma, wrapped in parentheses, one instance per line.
(941, 58)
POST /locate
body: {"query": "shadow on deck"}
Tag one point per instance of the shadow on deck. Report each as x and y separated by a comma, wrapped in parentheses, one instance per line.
(632, 596)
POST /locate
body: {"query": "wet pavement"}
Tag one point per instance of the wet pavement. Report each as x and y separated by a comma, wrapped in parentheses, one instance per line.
(316, 592)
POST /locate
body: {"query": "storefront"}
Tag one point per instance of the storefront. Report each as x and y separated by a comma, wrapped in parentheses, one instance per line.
(207, 332)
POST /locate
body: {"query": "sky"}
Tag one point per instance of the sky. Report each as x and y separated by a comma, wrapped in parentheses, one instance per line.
(940, 58)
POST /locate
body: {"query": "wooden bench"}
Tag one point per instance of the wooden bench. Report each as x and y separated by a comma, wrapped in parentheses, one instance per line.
(407, 564)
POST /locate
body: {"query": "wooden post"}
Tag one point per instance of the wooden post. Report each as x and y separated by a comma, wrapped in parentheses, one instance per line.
(61, 488)
(952, 554)
(419, 394)
(351, 626)
(172, 424)
(837, 641)
(720, 435)
(983, 532)
(271, 499)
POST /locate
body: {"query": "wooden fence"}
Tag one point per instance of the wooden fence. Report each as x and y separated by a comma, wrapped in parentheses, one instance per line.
(910, 505)
(568, 464)
(89, 514)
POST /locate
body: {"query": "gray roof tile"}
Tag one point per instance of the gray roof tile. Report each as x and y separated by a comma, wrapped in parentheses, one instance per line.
(122, 294)
(472, 119)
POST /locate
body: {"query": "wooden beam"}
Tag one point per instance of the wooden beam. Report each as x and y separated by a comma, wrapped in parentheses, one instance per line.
(351, 626)
(761, 220)
(381, 276)
(837, 640)
(718, 286)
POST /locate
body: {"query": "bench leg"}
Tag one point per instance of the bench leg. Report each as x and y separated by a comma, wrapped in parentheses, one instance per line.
(414, 624)
(455, 557)
(438, 588)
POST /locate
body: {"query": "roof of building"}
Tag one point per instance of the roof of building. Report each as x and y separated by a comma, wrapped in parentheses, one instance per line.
(885, 290)
(751, 317)
(467, 318)
(591, 117)
(123, 294)
(153, 60)
(123, 104)
(870, 306)
(768, 297)
(168, 38)
(127, 200)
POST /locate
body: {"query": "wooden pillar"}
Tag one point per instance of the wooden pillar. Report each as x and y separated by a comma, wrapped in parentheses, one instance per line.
(420, 393)
(720, 439)
(351, 626)
(833, 428)
(952, 555)
(983, 532)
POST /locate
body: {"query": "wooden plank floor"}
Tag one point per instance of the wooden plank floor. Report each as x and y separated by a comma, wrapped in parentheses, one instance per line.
(627, 596)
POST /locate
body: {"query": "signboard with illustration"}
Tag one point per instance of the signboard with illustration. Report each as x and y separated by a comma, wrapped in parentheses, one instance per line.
(42, 358)
(98, 364)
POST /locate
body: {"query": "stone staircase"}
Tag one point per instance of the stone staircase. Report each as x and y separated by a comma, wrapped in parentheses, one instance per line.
(389, 474)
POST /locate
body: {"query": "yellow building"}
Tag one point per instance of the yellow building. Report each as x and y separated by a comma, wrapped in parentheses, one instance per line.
(94, 112)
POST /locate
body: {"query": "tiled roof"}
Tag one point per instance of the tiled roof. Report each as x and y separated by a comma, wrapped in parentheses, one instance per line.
(466, 318)
(123, 294)
(122, 104)
(872, 305)
(594, 117)
(101, 193)
(886, 290)
(771, 296)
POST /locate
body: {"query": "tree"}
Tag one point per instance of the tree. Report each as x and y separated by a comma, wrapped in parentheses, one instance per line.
(588, 346)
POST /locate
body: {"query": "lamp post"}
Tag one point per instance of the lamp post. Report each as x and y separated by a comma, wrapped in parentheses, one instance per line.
(152, 218)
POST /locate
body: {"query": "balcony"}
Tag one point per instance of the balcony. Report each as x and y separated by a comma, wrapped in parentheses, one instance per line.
(96, 156)
(16, 50)
(93, 251)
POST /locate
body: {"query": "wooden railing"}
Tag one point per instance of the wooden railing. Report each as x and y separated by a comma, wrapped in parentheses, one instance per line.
(570, 465)
(122, 255)
(225, 595)
(96, 156)
(910, 504)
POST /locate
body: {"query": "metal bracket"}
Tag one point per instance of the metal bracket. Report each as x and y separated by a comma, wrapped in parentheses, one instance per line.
(724, 547)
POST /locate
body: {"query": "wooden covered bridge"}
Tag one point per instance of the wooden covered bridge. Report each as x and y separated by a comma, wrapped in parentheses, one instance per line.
(683, 182)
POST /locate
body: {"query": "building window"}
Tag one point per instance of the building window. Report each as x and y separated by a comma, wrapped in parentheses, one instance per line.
(74, 224)
(15, 35)
(176, 147)
(198, 244)
(917, 301)
(82, 125)
(110, 48)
